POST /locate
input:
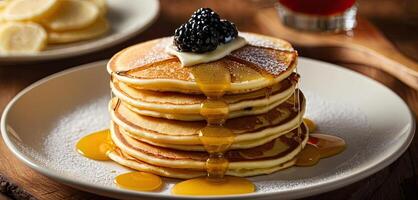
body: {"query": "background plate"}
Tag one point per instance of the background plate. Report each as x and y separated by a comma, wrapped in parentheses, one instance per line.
(127, 18)
(42, 124)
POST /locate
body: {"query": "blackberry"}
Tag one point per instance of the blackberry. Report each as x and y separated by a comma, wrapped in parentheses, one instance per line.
(228, 31)
(196, 37)
(203, 32)
(205, 14)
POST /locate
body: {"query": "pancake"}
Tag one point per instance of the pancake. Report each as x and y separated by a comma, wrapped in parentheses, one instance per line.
(197, 117)
(128, 161)
(187, 107)
(248, 130)
(236, 145)
(247, 102)
(263, 62)
(271, 154)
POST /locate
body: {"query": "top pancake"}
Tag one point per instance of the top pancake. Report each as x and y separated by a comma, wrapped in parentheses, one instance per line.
(263, 62)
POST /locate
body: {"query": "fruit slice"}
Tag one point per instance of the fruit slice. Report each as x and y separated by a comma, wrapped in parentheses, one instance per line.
(19, 37)
(72, 14)
(25, 10)
(102, 5)
(3, 4)
(1, 13)
(96, 29)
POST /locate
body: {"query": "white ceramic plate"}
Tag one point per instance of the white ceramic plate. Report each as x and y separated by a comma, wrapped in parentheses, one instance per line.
(43, 122)
(127, 18)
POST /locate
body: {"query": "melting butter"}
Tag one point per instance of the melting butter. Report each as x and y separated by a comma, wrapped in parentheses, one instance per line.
(188, 58)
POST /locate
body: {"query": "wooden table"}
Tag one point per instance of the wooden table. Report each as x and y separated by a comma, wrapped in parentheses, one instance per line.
(396, 18)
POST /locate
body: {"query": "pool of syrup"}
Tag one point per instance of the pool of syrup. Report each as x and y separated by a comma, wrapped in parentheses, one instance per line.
(96, 145)
(139, 181)
(319, 146)
(205, 186)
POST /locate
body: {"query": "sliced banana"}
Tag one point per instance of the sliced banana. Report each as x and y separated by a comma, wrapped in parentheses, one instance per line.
(102, 5)
(1, 11)
(20, 37)
(72, 15)
(96, 29)
(29, 10)
(3, 4)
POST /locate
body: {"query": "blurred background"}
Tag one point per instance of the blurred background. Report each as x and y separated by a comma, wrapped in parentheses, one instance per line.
(397, 19)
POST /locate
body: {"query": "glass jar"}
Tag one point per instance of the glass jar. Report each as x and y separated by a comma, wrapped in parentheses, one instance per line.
(318, 15)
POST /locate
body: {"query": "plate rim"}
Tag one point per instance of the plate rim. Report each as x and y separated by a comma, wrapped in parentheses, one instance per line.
(101, 43)
(322, 187)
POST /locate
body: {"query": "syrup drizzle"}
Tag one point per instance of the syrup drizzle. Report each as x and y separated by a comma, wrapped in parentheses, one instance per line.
(213, 80)
(296, 106)
(310, 124)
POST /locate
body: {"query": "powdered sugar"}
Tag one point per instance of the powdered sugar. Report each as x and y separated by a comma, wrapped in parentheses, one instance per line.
(51, 118)
(261, 41)
(334, 117)
(264, 59)
(155, 54)
(58, 147)
(58, 151)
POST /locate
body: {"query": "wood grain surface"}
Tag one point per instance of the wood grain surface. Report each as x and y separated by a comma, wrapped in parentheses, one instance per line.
(364, 45)
(396, 19)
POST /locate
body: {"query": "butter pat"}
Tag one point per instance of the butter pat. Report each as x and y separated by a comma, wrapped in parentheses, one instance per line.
(188, 58)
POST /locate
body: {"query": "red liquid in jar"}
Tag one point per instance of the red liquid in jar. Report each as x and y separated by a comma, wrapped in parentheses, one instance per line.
(318, 7)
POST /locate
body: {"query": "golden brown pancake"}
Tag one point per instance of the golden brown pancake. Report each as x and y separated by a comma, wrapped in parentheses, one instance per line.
(248, 129)
(271, 154)
(126, 160)
(263, 62)
(186, 107)
(156, 109)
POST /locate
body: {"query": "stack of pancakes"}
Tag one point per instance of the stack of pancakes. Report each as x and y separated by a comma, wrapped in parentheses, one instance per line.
(156, 102)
